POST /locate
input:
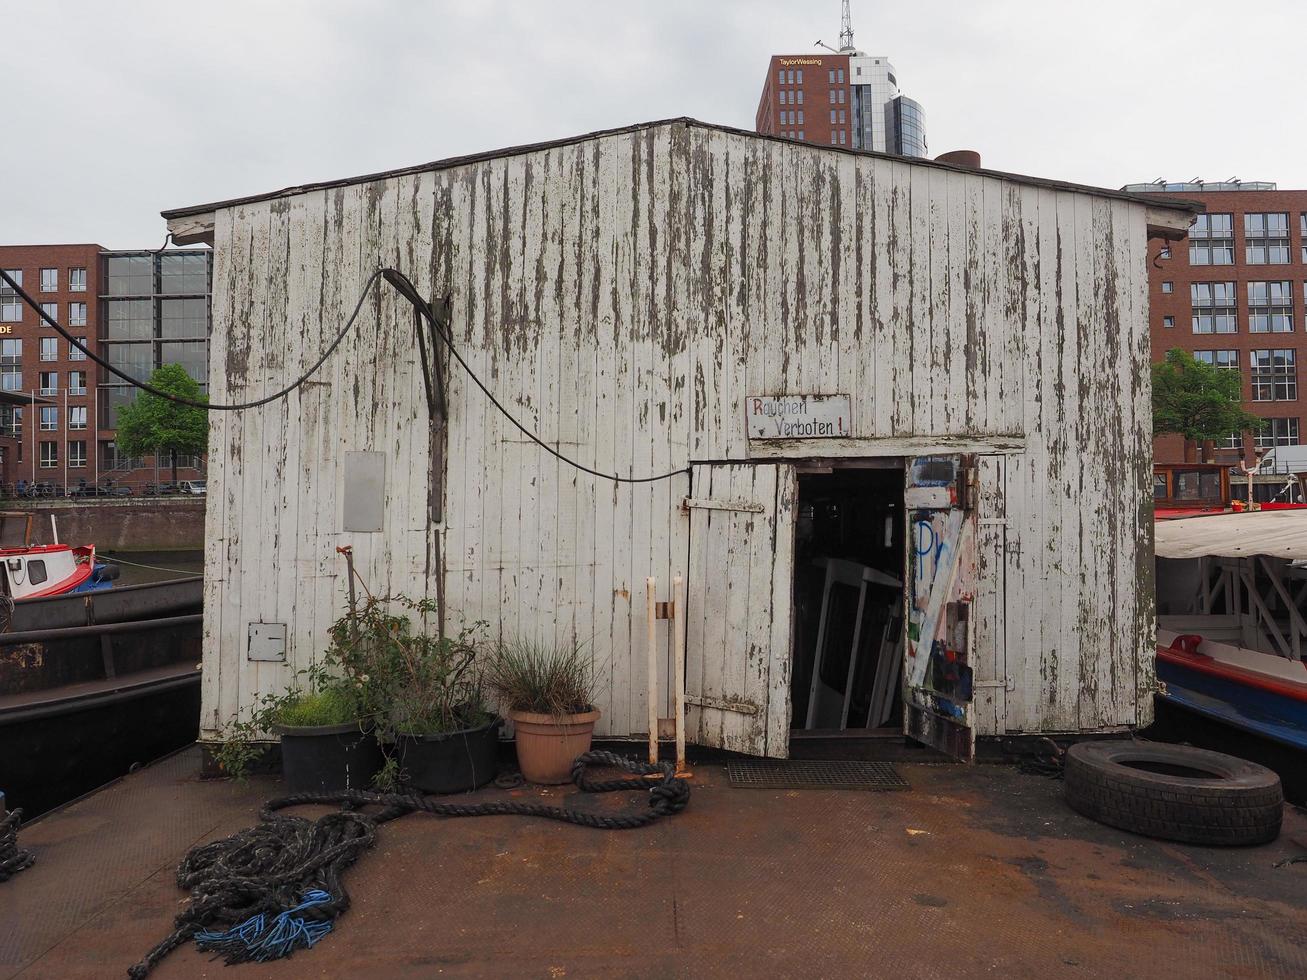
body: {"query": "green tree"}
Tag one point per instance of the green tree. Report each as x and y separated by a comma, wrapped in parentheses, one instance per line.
(1197, 400)
(156, 425)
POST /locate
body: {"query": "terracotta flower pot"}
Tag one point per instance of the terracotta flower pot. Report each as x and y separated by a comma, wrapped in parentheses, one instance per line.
(548, 744)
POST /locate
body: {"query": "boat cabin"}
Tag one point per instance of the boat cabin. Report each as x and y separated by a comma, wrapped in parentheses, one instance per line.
(46, 569)
(1191, 486)
(888, 417)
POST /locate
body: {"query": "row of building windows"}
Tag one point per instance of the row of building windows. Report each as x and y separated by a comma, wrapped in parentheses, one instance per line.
(1273, 372)
(49, 454)
(794, 76)
(11, 379)
(1278, 432)
(792, 117)
(48, 419)
(789, 97)
(843, 137)
(11, 306)
(792, 134)
(833, 96)
(11, 350)
(1266, 239)
(11, 311)
(50, 279)
(1215, 306)
(50, 349)
(179, 274)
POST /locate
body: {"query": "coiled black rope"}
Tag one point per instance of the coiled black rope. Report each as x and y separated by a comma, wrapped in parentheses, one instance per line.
(13, 858)
(264, 892)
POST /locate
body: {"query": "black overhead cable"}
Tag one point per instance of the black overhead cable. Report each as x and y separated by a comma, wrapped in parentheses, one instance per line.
(405, 288)
(234, 407)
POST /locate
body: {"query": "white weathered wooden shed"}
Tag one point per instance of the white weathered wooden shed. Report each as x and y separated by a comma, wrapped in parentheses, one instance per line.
(653, 299)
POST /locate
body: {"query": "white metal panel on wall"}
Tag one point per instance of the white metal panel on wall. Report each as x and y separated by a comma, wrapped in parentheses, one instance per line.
(740, 608)
(622, 295)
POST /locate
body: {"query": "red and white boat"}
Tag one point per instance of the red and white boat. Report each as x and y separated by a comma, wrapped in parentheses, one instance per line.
(52, 569)
(33, 571)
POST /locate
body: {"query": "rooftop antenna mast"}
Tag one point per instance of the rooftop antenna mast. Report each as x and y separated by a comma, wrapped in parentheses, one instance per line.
(846, 28)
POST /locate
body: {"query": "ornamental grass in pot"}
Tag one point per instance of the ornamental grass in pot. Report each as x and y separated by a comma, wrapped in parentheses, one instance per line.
(546, 689)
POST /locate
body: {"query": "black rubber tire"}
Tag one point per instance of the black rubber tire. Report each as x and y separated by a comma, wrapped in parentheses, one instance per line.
(1235, 803)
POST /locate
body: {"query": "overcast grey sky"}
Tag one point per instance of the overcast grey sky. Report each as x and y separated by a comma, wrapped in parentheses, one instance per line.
(117, 109)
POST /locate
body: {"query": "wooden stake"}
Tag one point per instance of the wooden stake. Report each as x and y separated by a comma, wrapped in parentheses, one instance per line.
(652, 621)
(678, 628)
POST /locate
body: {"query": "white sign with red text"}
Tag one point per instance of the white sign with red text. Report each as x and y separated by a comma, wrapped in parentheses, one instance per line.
(797, 416)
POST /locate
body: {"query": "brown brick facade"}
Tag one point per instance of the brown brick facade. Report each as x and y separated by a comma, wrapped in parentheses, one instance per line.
(1177, 304)
(79, 454)
(807, 77)
(22, 457)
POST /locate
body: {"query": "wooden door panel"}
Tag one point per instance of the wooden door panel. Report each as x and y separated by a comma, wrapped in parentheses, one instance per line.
(738, 611)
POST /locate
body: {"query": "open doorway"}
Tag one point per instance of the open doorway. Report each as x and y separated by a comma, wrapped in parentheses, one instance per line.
(849, 566)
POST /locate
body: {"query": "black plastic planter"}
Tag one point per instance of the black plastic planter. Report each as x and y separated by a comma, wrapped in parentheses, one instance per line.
(328, 758)
(452, 762)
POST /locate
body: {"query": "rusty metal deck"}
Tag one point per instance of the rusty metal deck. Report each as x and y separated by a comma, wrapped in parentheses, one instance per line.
(977, 871)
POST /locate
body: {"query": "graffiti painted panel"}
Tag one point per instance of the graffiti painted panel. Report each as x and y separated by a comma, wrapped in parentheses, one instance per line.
(941, 556)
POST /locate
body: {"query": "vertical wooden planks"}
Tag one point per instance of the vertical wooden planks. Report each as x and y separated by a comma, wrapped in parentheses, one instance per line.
(622, 295)
(612, 589)
(738, 610)
(1063, 657)
(989, 653)
(307, 405)
(243, 565)
(219, 681)
(780, 613)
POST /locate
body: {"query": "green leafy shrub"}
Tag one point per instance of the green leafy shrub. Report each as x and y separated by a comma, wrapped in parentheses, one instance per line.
(409, 680)
(382, 671)
(546, 678)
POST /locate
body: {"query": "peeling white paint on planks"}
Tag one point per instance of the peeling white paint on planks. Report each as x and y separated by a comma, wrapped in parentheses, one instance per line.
(622, 295)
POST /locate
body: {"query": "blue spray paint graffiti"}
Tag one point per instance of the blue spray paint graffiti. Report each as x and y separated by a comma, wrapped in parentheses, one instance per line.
(927, 543)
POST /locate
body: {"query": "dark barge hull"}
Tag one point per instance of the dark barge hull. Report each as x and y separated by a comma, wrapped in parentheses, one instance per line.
(84, 703)
(118, 605)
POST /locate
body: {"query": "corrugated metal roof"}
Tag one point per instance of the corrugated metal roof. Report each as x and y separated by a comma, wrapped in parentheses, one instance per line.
(1276, 533)
(1149, 200)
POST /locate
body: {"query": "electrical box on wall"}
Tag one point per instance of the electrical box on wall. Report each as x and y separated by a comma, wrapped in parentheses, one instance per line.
(268, 642)
(365, 491)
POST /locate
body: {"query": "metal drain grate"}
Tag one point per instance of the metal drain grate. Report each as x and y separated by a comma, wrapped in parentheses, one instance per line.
(797, 774)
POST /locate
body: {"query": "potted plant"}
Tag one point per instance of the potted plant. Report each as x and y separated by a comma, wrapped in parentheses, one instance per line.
(546, 691)
(388, 705)
(327, 741)
(430, 705)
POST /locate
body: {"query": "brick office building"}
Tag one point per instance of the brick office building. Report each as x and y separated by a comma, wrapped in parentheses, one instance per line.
(849, 99)
(53, 437)
(137, 310)
(1234, 293)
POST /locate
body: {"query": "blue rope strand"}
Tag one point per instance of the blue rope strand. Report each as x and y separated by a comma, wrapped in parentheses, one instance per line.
(257, 939)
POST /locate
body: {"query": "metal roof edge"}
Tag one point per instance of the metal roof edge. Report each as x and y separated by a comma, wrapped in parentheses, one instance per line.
(1147, 200)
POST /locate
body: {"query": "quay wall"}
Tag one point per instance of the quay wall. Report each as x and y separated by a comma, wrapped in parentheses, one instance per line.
(132, 524)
